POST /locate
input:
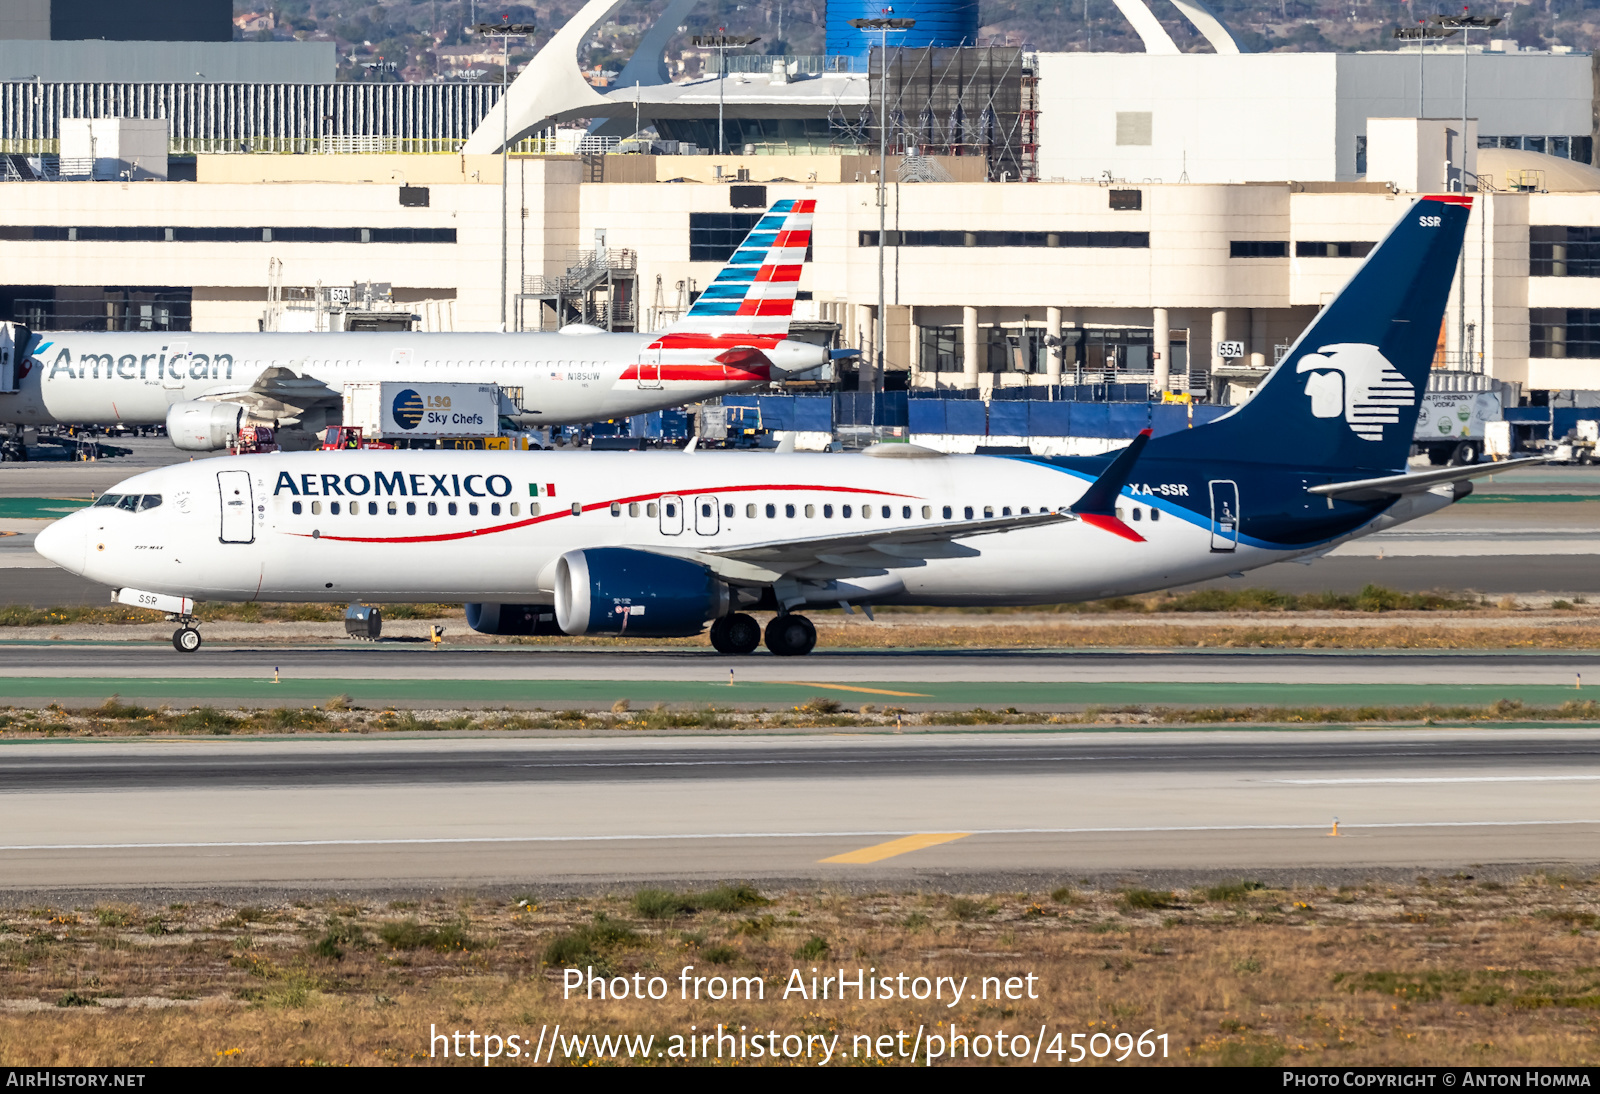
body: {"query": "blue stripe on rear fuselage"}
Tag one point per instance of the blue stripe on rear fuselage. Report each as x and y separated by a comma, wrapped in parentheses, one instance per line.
(1349, 517)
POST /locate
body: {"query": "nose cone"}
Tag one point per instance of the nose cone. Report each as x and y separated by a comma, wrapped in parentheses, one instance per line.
(65, 542)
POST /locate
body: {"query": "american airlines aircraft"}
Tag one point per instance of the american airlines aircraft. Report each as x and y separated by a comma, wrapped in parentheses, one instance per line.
(661, 544)
(204, 386)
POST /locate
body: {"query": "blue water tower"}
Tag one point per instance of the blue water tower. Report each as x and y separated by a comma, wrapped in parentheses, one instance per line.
(939, 23)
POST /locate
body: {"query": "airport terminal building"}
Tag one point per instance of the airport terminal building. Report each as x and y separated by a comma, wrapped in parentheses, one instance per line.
(1126, 216)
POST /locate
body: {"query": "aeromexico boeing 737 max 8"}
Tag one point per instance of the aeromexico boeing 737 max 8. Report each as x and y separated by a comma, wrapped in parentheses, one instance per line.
(205, 386)
(655, 544)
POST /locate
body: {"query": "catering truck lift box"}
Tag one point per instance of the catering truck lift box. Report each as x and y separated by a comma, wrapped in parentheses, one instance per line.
(1450, 425)
(398, 411)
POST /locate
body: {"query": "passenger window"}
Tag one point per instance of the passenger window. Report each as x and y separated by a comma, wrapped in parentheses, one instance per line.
(968, 512)
(1024, 510)
(616, 508)
(294, 507)
(1137, 514)
(316, 508)
(533, 509)
(1006, 512)
(452, 509)
(372, 508)
(844, 510)
(905, 512)
(1155, 514)
(433, 508)
(650, 509)
(727, 510)
(411, 508)
(827, 511)
(750, 510)
(887, 512)
(516, 509)
(949, 513)
(705, 509)
(988, 512)
(633, 508)
(472, 508)
(393, 509)
(811, 510)
(772, 510)
(494, 509)
(672, 509)
(927, 512)
(866, 512)
(788, 510)
(333, 507)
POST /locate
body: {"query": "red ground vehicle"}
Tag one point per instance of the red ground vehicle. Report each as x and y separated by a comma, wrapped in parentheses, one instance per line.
(253, 439)
(348, 436)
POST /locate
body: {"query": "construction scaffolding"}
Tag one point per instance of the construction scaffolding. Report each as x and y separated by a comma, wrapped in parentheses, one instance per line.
(956, 101)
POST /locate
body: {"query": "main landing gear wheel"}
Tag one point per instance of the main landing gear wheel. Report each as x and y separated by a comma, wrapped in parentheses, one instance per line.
(737, 633)
(791, 636)
(186, 640)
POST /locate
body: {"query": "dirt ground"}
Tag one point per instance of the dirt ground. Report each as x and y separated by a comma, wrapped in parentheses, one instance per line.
(1462, 969)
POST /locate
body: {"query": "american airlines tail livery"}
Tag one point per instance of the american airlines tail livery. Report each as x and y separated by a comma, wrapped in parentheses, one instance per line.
(205, 386)
(661, 544)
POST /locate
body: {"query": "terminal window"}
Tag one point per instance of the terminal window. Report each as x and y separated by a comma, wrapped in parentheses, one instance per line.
(713, 237)
(1556, 251)
(1564, 332)
(1258, 248)
(1306, 248)
(1137, 240)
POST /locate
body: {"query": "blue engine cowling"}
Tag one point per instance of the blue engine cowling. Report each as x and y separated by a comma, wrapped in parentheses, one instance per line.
(512, 619)
(619, 590)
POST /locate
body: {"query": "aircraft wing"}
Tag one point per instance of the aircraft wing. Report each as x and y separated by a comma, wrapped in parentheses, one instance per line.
(854, 554)
(1417, 482)
(277, 393)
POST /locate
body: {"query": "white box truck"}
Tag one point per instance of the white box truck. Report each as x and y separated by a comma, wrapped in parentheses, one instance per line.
(1450, 425)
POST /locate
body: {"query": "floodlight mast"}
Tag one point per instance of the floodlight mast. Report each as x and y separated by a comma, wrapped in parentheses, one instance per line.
(883, 26)
(1422, 35)
(505, 31)
(1466, 24)
(721, 42)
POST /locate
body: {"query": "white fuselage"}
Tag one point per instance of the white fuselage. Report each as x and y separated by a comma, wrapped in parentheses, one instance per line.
(133, 378)
(464, 526)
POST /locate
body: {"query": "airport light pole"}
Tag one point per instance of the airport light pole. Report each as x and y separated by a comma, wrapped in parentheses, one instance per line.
(721, 42)
(1422, 35)
(1466, 24)
(505, 31)
(883, 26)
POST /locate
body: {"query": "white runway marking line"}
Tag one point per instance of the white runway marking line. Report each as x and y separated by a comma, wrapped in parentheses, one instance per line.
(429, 840)
(1443, 779)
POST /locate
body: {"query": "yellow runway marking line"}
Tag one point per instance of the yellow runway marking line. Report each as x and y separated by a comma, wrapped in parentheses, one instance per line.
(846, 687)
(880, 851)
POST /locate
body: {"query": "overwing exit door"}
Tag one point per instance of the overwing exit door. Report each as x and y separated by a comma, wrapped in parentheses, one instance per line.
(671, 515)
(1224, 515)
(706, 520)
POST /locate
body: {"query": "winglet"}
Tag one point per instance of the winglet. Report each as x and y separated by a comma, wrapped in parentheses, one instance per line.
(1098, 506)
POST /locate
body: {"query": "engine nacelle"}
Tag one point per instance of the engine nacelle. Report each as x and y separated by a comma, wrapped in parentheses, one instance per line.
(512, 619)
(618, 590)
(197, 426)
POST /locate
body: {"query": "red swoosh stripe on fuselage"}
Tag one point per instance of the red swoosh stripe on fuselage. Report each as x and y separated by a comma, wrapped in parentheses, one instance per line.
(707, 340)
(718, 374)
(473, 532)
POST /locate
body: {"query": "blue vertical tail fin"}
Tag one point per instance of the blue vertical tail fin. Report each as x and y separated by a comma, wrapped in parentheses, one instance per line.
(1346, 394)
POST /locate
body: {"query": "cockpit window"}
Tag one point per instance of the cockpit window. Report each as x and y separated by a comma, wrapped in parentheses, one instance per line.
(107, 499)
(149, 501)
(133, 503)
(130, 502)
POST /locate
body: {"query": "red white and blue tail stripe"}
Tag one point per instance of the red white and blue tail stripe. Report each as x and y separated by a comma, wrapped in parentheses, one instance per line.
(755, 292)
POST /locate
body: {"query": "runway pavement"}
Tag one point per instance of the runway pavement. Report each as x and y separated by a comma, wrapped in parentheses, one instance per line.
(383, 812)
(417, 676)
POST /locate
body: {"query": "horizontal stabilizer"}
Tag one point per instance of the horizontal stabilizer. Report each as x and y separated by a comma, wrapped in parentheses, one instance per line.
(1393, 486)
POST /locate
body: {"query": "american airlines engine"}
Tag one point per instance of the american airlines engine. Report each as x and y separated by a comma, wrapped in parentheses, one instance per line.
(204, 387)
(662, 544)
